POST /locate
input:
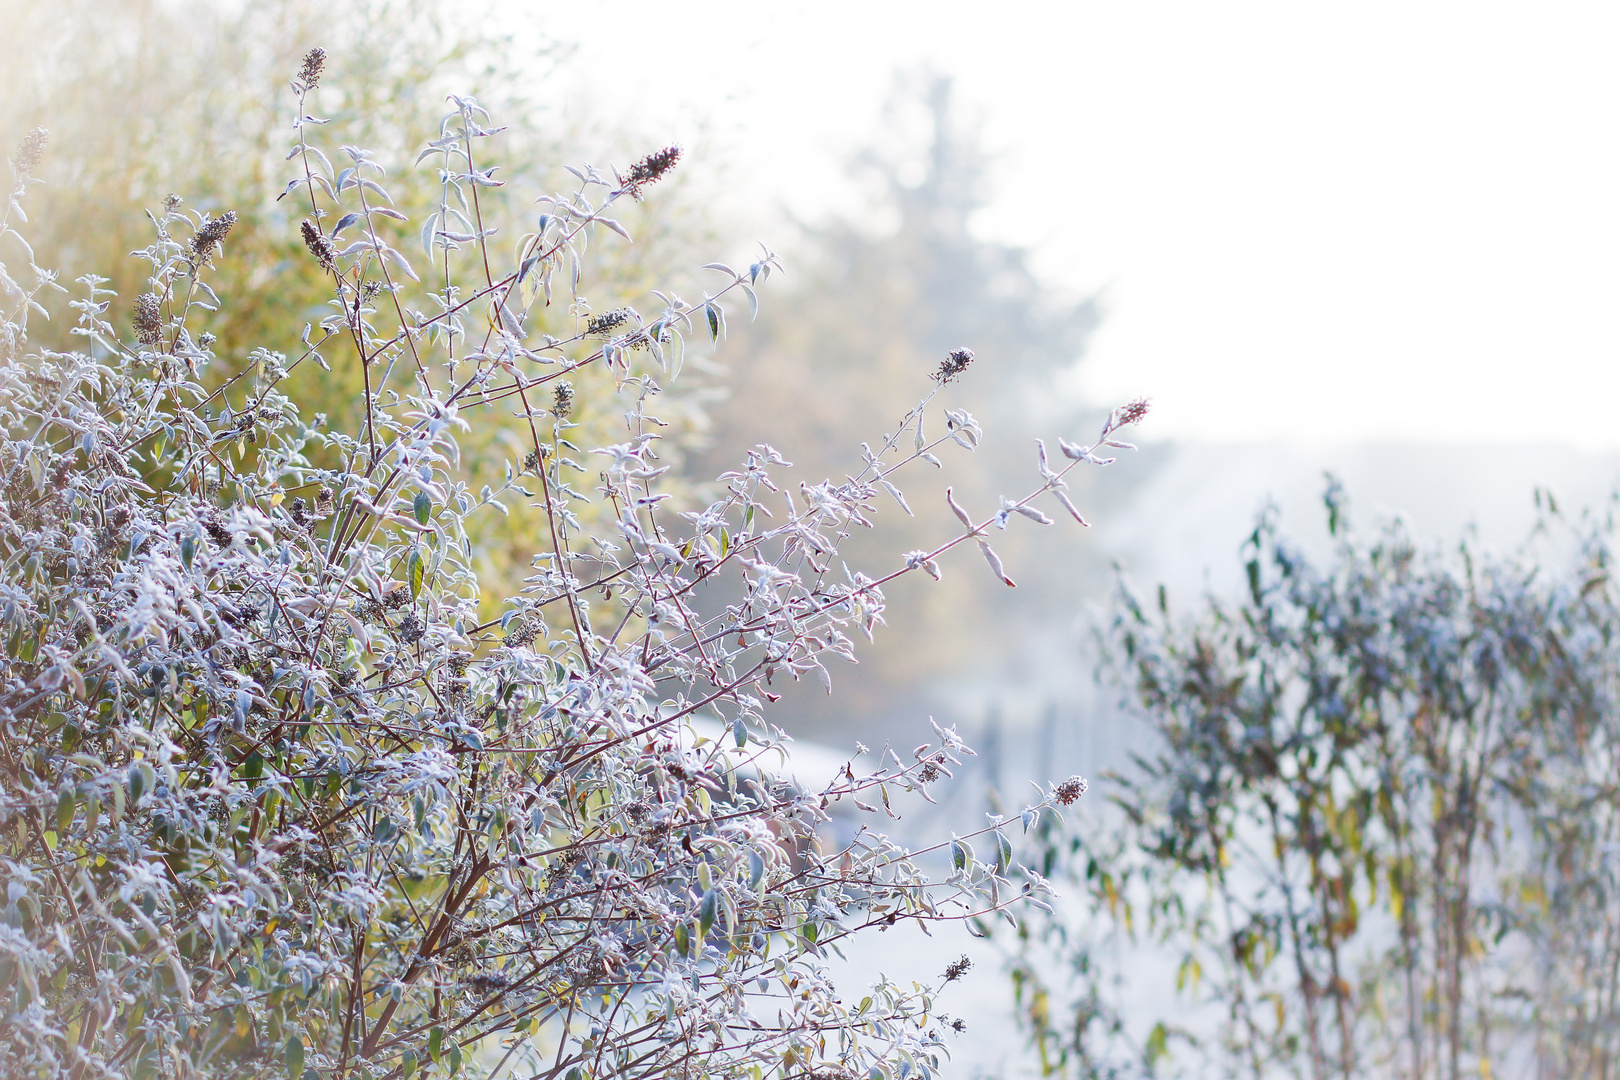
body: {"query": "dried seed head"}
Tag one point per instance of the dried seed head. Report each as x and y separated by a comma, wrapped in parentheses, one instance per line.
(1129, 413)
(605, 323)
(522, 633)
(651, 169)
(319, 246)
(562, 401)
(1071, 789)
(148, 319)
(210, 234)
(324, 501)
(953, 365)
(29, 152)
(411, 628)
(309, 76)
(957, 969)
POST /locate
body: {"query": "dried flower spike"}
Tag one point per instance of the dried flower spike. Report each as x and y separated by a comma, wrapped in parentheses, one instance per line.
(309, 76)
(562, 401)
(1071, 789)
(319, 246)
(957, 968)
(1129, 413)
(651, 169)
(148, 320)
(607, 322)
(210, 234)
(29, 152)
(953, 365)
(523, 633)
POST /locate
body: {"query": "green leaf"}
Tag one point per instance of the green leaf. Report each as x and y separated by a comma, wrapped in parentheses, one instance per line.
(706, 912)
(295, 1056)
(141, 780)
(64, 810)
(717, 320)
(414, 569)
(436, 1044)
(1157, 1044)
(1004, 852)
(423, 506)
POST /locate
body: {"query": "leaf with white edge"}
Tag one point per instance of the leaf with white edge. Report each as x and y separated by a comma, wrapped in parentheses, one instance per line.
(615, 226)
(995, 565)
(898, 496)
(1069, 506)
(1046, 468)
(400, 261)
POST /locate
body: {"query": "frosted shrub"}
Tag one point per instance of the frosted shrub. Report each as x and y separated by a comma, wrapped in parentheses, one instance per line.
(282, 794)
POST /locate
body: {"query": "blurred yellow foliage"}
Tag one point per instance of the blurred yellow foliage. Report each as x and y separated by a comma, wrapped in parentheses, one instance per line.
(191, 97)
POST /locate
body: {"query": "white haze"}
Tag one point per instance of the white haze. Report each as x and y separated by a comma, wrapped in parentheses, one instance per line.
(1312, 223)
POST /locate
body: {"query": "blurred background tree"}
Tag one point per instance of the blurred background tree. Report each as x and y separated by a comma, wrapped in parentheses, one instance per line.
(1375, 832)
(875, 299)
(144, 98)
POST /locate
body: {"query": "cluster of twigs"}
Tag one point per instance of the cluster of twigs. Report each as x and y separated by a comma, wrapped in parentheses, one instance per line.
(280, 797)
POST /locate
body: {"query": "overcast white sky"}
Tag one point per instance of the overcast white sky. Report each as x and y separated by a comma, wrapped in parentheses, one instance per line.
(1313, 222)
